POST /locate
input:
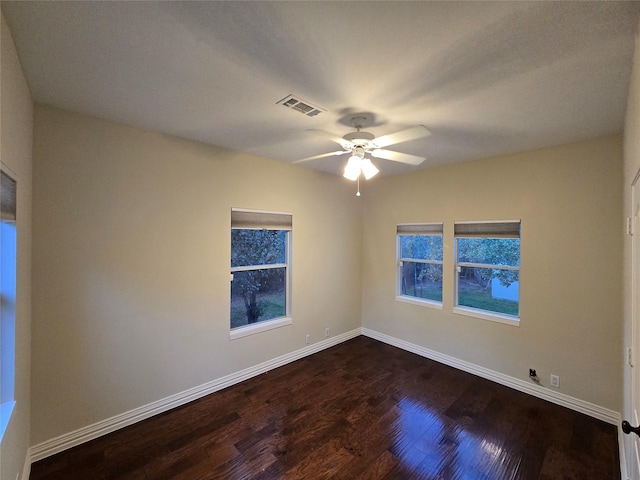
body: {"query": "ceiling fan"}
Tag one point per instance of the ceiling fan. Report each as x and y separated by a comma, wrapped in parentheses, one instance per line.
(359, 143)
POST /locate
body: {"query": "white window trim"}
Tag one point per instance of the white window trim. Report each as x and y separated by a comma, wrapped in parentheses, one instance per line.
(505, 319)
(273, 323)
(254, 328)
(7, 408)
(487, 266)
(250, 268)
(478, 312)
(422, 302)
(487, 315)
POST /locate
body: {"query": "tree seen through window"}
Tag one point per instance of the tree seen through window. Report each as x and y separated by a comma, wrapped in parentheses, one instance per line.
(259, 269)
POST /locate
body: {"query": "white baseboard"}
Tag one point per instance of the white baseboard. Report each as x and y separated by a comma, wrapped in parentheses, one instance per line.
(90, 432)
(576, 404)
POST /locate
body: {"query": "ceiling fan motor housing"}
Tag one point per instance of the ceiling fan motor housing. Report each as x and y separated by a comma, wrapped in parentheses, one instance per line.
(360, 139)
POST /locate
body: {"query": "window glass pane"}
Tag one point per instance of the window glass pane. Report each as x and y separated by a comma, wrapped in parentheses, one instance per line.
(421, 247)
(489, 289)
(490, 251)
(257, 247)
(421, 280)
(258, 295)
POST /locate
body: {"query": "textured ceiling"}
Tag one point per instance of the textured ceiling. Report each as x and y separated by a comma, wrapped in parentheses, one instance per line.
(486, 78)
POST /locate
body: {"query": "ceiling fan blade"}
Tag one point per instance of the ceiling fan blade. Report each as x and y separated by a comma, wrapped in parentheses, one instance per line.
(322, 155)
(397, 156)
(402, 136)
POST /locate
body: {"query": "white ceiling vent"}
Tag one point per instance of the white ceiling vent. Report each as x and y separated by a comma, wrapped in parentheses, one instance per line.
(296, 103)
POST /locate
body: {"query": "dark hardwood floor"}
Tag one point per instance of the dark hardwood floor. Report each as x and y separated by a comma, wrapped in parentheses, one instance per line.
(359, 410)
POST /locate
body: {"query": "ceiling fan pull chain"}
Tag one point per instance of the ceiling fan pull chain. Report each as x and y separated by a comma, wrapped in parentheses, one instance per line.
(358, 192)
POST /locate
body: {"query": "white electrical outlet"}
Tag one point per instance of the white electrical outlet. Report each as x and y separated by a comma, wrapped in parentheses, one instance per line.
(306, 339)
(555, 381)
(326, 332)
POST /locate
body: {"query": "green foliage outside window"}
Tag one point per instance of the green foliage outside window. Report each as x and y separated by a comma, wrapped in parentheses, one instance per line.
(258, 293)
(419, 279)
(491, 251)
(476, 286)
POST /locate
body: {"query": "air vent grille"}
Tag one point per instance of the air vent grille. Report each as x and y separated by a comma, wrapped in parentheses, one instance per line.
(296, 103)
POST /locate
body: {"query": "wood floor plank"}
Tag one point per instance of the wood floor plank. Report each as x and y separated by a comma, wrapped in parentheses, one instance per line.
(359, 410)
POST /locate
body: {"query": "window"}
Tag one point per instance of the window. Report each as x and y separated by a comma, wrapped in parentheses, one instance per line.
(260, 271)
(419, 263)
(7, 296)
(488, 269)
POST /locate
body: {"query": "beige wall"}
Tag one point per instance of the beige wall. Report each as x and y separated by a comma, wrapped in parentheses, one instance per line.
(16, 126)
(570, 202)
(131, 254)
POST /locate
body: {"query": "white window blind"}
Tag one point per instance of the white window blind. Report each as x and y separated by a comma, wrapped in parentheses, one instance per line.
(256, 220)
(503, 229)
(420, 229)
(7, 197)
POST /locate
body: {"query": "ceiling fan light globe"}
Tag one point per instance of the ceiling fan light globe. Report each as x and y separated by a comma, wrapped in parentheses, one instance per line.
(355, 161)
(369, 170)
(351, 174)
(352, 170)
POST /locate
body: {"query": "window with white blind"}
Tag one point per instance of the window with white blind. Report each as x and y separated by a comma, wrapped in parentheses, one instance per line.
(419, 263)
(487, 263)
(8, 187)
(260, 271)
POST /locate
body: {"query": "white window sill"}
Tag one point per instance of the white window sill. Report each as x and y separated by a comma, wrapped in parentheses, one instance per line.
(6, 409)
(484, 315)
(417, 301)
(259, 327)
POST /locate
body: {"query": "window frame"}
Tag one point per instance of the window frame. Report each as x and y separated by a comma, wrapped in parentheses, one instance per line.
(8, 214)
(247, 219)
(419, 229)
(489, 229)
